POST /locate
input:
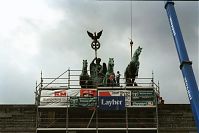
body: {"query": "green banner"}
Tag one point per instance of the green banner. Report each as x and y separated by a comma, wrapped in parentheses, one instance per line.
(142, 97)
(83, 101)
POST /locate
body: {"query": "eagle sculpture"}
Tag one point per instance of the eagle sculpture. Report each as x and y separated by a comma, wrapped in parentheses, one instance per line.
(94, 36)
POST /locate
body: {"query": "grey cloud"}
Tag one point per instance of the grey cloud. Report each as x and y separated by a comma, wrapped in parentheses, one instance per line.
(68, 44)
(150, 26)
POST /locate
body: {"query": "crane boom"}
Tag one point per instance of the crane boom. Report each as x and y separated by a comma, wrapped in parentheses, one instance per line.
(185, 63)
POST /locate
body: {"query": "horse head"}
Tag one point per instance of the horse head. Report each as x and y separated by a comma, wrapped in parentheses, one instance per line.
(137, 53)
(111, 64)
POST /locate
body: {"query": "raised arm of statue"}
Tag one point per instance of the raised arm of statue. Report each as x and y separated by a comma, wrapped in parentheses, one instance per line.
(94, 60)
(93, 68)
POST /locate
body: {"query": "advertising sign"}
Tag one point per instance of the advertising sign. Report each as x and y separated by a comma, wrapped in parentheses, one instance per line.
(53, 98)
(142, 103)
(57, 97)
(83, 101)
(87, 98)
(142, 94)
(88, 93)
(125, 93)
(142, 97)
(111, 102)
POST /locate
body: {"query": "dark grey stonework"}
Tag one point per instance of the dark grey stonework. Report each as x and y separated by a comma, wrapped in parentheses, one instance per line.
(173, 118)
(176, 118)
(17, 118)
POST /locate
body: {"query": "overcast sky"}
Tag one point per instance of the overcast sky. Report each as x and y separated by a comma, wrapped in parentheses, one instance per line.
(50, 35)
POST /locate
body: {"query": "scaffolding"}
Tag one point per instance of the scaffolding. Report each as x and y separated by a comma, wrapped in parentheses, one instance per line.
(68, 111)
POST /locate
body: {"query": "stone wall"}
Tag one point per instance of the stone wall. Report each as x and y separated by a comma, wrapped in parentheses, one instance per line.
(17, 118)
(173, 118)
(176, 118)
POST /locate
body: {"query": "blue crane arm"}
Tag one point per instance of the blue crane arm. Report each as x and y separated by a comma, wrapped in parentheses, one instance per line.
(185, 63)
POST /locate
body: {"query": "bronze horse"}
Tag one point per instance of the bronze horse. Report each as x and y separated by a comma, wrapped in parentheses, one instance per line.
(109, 79)
(133, 68)
(85, 80)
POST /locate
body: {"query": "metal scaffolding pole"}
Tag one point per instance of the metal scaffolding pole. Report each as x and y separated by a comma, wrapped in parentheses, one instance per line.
(157, 121)
(127, 124)
(96, 120)
(67, 104)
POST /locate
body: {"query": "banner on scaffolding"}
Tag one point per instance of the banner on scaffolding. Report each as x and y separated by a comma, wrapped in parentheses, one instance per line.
(125, 93)
(88, 93)
(111, 102)
(69, 98)
(142, 103)
(87, 98)
(86, 102)
(57, 97)
(53, 98)
(143, 97)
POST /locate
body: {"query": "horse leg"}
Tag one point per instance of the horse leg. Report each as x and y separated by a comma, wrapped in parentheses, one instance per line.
(133, 79)
(82, 82)
(128, 81)
(90, 83)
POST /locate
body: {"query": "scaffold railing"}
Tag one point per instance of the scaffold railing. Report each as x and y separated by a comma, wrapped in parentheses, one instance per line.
(70, 80)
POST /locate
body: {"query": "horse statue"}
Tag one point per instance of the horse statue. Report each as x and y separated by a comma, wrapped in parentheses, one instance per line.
(109, 79)
(84, 79)
(133, 68)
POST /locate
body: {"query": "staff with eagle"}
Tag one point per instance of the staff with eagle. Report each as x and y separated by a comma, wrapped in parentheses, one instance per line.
(95, 43)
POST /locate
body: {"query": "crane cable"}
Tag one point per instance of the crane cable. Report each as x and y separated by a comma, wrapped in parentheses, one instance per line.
(131, 18)
(131, 42)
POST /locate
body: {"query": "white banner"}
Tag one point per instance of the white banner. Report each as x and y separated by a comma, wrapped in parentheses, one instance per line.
(57, 97)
